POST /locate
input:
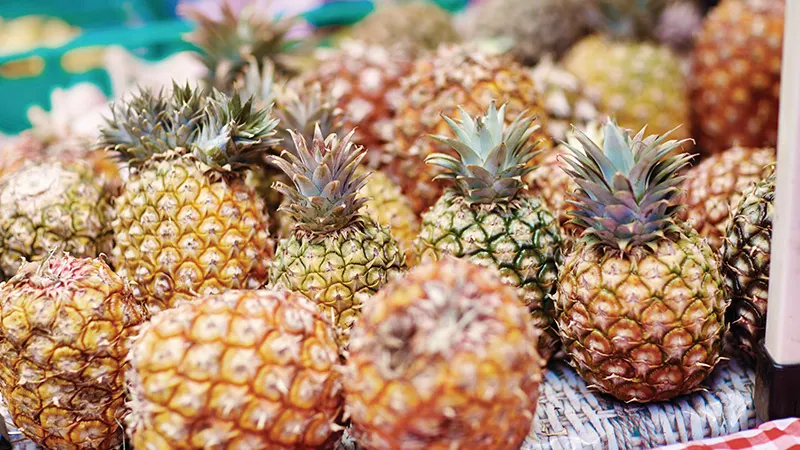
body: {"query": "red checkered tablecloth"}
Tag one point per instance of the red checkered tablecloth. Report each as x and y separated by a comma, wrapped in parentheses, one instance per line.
(778, 435)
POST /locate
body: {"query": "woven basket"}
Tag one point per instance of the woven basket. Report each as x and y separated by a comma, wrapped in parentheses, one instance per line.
(570, 416)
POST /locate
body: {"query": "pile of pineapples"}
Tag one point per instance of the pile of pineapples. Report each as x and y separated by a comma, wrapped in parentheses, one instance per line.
(394, 236)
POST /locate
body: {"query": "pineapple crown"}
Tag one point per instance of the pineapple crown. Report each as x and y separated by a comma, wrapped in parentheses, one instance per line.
(627, 194)
(326, 183)
(232, 38)
(223, 132)
(492, 158)
(257, 80)
(304, 112)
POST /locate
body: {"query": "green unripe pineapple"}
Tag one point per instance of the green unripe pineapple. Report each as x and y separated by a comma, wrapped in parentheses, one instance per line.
(489, 219)
(335, 256)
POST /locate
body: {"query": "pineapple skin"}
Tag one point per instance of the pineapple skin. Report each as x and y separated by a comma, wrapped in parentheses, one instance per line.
(522, 241)
(387, 206)
(365, 80)
(735, 87)
(236, 370)
(638, 83)
(647, 326)
(714, 187)
(444, 358)
(438, 84)
(339, 270)
(181, 231)
(47, 207)
(746, 261)
(64, 339)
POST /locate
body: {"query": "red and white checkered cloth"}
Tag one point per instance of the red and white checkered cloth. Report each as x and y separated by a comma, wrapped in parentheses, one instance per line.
(778, 435)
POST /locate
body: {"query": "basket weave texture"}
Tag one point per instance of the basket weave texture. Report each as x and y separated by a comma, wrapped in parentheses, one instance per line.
(571, 416)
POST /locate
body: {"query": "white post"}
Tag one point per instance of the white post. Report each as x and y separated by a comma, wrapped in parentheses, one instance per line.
(783, 312)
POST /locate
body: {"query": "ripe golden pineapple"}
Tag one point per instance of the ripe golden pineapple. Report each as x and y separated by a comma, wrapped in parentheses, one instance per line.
(640, 83)
(65, 330)
(387, 206)
(365, 80)
(745, 258)
(443, 359)
(238, 370)
(736, 75)
(489, 219)
(187, 223)
(50, 206)
(438, 84)
(641, 301)
(535, 28)
(415, 25)
(714, 187)
(336, 255)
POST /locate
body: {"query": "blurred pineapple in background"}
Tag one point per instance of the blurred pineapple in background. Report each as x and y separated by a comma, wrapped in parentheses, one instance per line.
(417, 26)
(365, 80)
(453, 76)
(736, 75)
(535, 28)
(638, 80)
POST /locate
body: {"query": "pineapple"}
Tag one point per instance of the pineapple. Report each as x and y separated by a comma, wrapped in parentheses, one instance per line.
(48, 206)
(489, 219)
(65, 330)
(641, 300)
(443, 358)
(335, 255)
(736, 74)
(637, 82)
(365, 80)
(387, 206)
(438, 84)
(385, 203)
(186, 222)
(229, 41)
(565, 99)
(414, 25)
(536, 28)
(238, 370)
(746, 257)
(714, 187)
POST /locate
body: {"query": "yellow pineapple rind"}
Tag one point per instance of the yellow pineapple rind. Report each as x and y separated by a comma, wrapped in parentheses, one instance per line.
(714, 187)
(646, 326)
(637, 83)
(182, 231)
(243, 369)
(443, 358)
(65, 331)
(339, 270)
